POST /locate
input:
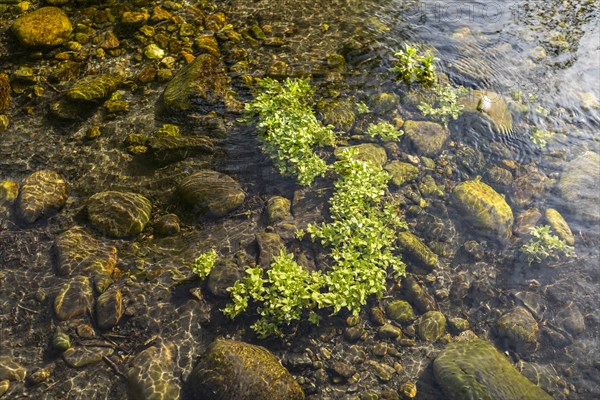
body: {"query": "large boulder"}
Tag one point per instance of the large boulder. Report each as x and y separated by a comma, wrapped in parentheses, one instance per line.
(119, 214)
(474, 369)
(42, 193)
(578, 186)
(427, 137)
(212, 192)
(151, 375)
(484, 207)
(46, 26)
(241, 371)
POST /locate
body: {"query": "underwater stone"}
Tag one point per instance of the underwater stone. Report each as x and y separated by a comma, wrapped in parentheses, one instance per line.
(256, 372)
(41, 193)
(78, 251)
(278, 209)
(526, 220)
(4, 386)
(492, 106)
(11, 370)
(151, 375)
(167, 225)
(571, 319)
(484, 207)
(520, 329)
(499, 178)
(336, 112)
(109, 308)
(431, 326)
(578, 186)
(474, 369)
(528, 187)
(401, 172)
(418, 251)
(79, 357)
(207, 44)
(559, 226)
(416, 295)
(4, 92)
(95, 87)
(169, 149)
(119, 214)
(46, 26)
(223, 275)
(212, 191)
(74, 299)
(428, 137)
(269, 246)
(400, 311)
(368, 152)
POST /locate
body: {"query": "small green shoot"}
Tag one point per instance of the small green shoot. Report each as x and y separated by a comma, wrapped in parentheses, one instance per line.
(543, 245)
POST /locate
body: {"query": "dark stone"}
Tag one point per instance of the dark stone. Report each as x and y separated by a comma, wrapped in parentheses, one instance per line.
(119, 214)
(74, 299)
(212, 192)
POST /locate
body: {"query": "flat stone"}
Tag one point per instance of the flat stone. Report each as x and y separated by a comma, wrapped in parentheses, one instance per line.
(46, 26)
(119, 214)
(77, 251)
(79, 357)
(75, 298)
(42, 193)
(428, 137)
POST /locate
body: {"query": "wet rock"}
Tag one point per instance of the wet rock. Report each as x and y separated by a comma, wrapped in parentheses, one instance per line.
(4, 92)
(520, 330)
(9, 192)
(212, 192)
(459, 324)
(77, 251)
(385, 103)
(167, 225)
(203, 83)
(559, 226)
(119, 214)
(427, 137)
(527, 188)
(417, 251)
(4, 386)
(169, 149)
(578, 186)
(222, 276)
(353, 333)
(571, 319)
(368, 152)
(257, 374)
(94, 87)
(474, 369)
(499, 178)
(401, 172)
(79, 357)
(38, 376)
(382, 371)
(389, 331)
(269, 246)
(490, 105)
(75, 298)
(11, 370)
(526, 220)
(151, 375)
(207, 44)
(431, 326)
(71, 110)
(42, 193)
(544, 376)
(109, 308)
(336, 112)
(60, 340)
(343, 369)
(46, 26)
(278, 209)
(377, 315)
(484, 207)
(416, 295)
(400, 311)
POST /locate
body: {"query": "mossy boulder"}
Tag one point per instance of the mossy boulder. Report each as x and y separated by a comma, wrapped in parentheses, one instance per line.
(77, 251)
(42, 193)
(401, 172)
(151, 374)
(278, 209)
(416, 250)
(474, 369)
(578, 186)
(559, 226)
(431, 326)
(484, 208)
(241, 371)
(212, 192)
(400, 311)
(46, 26)
(94, 87)
(119, 214)
(491, 106)
(202, 83)
(368, 152)
(427, 137)
(520, 330)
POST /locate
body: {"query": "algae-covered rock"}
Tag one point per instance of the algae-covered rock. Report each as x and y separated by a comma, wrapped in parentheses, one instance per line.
(203, 82)
(474, 369)
(490, 105)
(416, 295)
(520, 329)
(4, 92)
(484, 207)
(427, 137)
(46, 26)
(168, 149)
(401, 172)
(336, 112)
(559, 226)
(368, 152)
(269, 246)
(78, 251)
(41, 193)
(431, 326)
(400, 311)
(94, 87)
(417, 250)
(119, 214)
(212, 191)
(151, 375)
(578, 186)
(241, 371)
(75, 298)
(278, 209)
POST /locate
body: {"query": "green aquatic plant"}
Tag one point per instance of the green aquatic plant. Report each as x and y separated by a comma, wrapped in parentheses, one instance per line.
(288, 127)
(446, 103)
(384, 130)
(540, 137)
(362, 108)
(412, 67)
(204, 263)
(543, 245)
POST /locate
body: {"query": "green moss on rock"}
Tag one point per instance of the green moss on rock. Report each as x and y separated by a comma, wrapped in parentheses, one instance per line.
(401, 172)
(418, 251)
(427, 137)
(94, 87)
(520, 329)
(46, 26)
(368, 152)
(212, 192)
(400, 311)
(431, 326)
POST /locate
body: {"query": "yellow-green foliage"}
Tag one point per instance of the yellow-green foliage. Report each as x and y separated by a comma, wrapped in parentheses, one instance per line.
(412, 67)
(543, 244)
(204, 263)
(445, 104)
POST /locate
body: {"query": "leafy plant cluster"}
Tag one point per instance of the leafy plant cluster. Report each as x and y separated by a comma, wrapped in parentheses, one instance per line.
(384, 130)
(540, 137)
(289, 129)
(361, 237)
(414, 68)
(543, 245)
(446, 104)
(204, 263)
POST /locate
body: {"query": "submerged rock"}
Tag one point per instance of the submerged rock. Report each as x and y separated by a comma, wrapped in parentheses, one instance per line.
(4, 92)
(418, 251)
(278, 209)
(269, 246)
(212, 192)
(401, 172)
(79, 357)
(74, 299)
(119, 214)
(400, 311)
(559, 226)
(428, 137)
(78, 251)
(520, 329)
(241, 371)
(492, 106)
(168, 149)
(151, 375)
(11, 370)
(94, 87)
(41, 193)
(526, 220)
(431, 326)
(578, 186)
(336, 112)
(484, 207)
(368, 152)
(109, 308)
(46, 26)
(474, 369)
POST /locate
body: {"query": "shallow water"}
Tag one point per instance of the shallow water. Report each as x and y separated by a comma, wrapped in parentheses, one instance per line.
(481, 45)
